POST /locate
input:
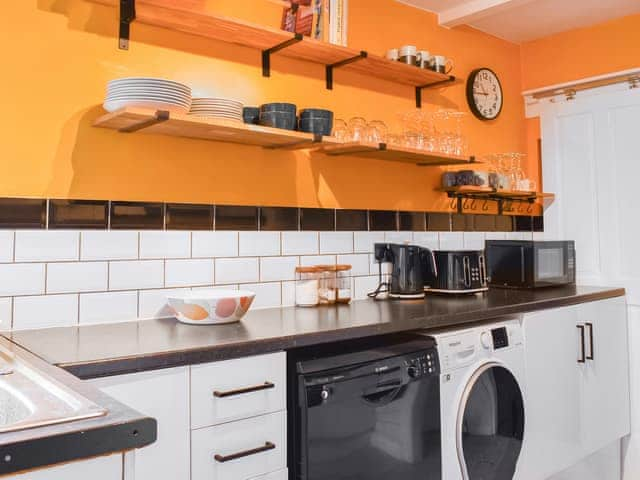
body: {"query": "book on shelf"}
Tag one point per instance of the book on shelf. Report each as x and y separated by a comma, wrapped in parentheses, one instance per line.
(324, 20)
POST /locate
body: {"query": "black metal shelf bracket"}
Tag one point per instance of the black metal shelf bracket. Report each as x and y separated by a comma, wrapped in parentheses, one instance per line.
(266, 54)
(159, 117)
(127, 15)
(419, 88)
(330, 68)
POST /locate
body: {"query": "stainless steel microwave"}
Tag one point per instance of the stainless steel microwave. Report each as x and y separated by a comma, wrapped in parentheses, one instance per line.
(530, 264)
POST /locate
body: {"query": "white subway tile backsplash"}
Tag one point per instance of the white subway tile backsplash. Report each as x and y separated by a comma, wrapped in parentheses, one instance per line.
(45, 311)
(259, 244)
(108, 307)
(495, 235)
(236, 270)
(336, 242)
(473, 240)
(375, 268)
(6, 245)
(398, 237)
(184, 273)
(130, 275)
(430, 240)
(300, 243)
(6, 310)
(268, 295)
(158, 244)
(359, 263)
(109, 245)
(364, 241)
(77, 277)
(288, 294)
(153, 303)
(278, 268)
(308, 261)
(214, 244)
(364, 285)
(451, 241)
(46, 245)
(22, 279)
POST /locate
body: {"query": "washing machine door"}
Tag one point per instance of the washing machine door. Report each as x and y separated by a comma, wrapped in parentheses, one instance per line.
(490, 424)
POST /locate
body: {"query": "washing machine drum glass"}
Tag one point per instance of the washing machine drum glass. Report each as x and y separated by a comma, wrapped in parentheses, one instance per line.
(490, 425)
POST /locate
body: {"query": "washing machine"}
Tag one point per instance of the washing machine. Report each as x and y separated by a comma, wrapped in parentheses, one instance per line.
(482, 399)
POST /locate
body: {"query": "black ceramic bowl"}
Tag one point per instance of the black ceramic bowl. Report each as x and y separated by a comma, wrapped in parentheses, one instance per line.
(279, 107)
(316, 113)
(251, 115)
(321, 126)
(285, 120)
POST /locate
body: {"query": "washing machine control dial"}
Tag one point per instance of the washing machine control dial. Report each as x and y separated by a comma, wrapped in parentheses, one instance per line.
(486, 340)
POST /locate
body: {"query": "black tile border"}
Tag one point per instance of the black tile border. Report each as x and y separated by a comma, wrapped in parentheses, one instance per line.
(23, 213)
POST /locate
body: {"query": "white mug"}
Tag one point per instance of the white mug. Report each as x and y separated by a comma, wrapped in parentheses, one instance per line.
(392, 54)
(408, 54)
(441, 64)
(424, 59)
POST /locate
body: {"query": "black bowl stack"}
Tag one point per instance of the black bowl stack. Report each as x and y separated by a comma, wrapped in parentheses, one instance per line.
(279, 115)
(316, 121)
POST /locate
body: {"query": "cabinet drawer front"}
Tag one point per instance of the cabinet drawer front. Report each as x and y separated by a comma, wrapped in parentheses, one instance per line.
(240, 450)
(279, 475)
(236, 389)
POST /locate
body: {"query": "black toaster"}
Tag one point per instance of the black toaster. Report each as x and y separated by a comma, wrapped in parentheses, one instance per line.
(457, 271)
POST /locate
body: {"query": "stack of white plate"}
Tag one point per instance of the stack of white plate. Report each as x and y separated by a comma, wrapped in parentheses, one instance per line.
(143, 92)
(218, 108)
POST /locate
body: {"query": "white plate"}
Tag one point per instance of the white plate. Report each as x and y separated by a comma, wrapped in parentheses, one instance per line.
(215, 112)
(137, 81)
(112, 106)
(160, 98)
(154, 91)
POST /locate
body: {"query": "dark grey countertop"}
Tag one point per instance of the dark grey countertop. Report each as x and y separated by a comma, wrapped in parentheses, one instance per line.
(102, 350)
(121, 429)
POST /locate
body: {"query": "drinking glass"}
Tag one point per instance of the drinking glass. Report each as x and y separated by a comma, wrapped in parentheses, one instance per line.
(357, 128)
(340, 131)
(377, 131)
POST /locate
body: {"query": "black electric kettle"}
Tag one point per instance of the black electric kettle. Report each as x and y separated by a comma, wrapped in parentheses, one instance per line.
(410, 266)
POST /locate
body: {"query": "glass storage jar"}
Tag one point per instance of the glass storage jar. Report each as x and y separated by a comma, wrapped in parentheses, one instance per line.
(343, 283)
(327, 291)
(307, 286)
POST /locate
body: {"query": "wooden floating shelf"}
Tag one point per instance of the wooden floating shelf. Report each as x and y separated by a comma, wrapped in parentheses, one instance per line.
(383, 151)
(129, 120)
(501, 196)
(174, 15)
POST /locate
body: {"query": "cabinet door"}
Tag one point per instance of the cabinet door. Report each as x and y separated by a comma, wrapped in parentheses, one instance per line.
(605, 379)
(100, 468)
(552, 404)
(163, 395)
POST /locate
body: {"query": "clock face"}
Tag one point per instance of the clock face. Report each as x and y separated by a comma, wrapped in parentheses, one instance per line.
(484, 94)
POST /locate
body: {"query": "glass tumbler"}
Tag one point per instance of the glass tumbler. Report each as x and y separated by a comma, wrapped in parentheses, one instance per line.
(377, 131)
(357, 128)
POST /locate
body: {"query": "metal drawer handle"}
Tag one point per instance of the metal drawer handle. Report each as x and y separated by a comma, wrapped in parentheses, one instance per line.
(242, 391)
(234, 456)
(590, 326)
(582, 358)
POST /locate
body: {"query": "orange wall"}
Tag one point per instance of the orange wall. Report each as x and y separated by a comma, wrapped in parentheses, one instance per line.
(585, 52)
(62, 53)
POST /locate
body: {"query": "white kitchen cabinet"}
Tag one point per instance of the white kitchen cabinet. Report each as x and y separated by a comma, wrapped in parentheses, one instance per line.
(237, 388)
(574, 408)
(163, 395)
(100, 468)
(605, 379)
(240, 450)
(552, 413)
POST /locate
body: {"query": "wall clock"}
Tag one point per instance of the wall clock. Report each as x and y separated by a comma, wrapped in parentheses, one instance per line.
(484, 94)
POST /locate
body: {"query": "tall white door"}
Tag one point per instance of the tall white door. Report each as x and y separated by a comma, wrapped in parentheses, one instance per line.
(591, 161)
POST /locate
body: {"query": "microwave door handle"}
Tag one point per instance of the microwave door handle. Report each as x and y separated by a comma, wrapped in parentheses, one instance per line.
(523, 276)
(467, 271)
(590, 326)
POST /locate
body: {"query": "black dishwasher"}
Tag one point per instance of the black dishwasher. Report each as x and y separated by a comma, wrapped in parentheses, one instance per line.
(365, 410)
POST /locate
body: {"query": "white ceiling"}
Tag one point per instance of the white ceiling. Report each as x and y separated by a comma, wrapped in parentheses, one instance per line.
(524, 20)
